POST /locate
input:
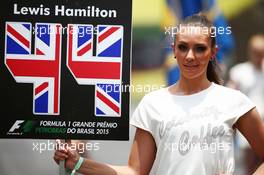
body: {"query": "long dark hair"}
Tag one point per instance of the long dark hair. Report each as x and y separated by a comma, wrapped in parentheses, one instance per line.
(213, 69)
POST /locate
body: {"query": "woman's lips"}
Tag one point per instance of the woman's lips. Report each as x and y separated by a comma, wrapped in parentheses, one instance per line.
(191, 66)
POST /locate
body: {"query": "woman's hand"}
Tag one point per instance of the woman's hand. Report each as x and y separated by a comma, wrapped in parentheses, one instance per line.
(64, 152)
(141, 158)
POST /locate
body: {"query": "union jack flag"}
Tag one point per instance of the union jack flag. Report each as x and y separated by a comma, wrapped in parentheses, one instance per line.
(104, 70)
(42, 68)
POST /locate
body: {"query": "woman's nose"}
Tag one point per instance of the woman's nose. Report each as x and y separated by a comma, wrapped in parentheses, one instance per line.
(190, 55)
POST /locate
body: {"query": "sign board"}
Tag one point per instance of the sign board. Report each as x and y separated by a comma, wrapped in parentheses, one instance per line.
(65, 69)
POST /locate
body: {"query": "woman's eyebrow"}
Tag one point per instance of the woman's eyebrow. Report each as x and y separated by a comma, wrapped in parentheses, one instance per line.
(183, 42)
(201, 44)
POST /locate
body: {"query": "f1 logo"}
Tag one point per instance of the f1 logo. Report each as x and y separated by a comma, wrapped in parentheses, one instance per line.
(16, 125)
(104, 70)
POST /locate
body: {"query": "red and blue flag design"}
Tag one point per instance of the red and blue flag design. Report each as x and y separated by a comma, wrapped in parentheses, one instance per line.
(104, 70)
(41, 68)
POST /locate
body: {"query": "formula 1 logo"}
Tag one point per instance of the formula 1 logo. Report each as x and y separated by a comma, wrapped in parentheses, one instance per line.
(104, 70)
(20, 127)
(16, 125)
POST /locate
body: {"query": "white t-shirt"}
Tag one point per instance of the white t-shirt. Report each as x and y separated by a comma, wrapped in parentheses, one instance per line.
(193, 133)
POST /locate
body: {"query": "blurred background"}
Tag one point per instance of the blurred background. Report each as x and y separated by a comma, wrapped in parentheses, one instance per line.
(153, 65)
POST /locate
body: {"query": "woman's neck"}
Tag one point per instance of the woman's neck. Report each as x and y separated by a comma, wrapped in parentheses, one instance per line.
(188, 87)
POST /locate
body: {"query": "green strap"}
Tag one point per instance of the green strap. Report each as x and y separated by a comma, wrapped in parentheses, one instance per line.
(77, 165)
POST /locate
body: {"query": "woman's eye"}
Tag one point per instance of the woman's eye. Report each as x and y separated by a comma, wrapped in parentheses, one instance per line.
(182, 47)
(201, 48)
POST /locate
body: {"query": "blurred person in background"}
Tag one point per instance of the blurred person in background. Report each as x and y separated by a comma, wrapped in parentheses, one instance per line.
(248, 77)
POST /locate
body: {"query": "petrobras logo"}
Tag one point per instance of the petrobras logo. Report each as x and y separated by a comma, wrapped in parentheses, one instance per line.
(20, 127)
(43, 67)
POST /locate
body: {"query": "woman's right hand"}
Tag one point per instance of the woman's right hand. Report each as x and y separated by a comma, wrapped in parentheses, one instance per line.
(64, 152)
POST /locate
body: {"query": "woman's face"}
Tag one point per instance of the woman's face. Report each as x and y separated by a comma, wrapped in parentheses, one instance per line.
(193, 51)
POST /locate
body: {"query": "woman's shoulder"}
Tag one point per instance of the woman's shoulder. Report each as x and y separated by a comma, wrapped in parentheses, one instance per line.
(227, 92)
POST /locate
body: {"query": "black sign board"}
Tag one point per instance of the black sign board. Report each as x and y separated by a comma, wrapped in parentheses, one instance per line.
(65, 69)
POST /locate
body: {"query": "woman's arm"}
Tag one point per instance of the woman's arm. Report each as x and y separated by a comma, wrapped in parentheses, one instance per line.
(141, 158)
(252, 127)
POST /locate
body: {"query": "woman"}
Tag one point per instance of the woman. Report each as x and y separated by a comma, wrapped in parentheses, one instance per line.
(187, 128)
